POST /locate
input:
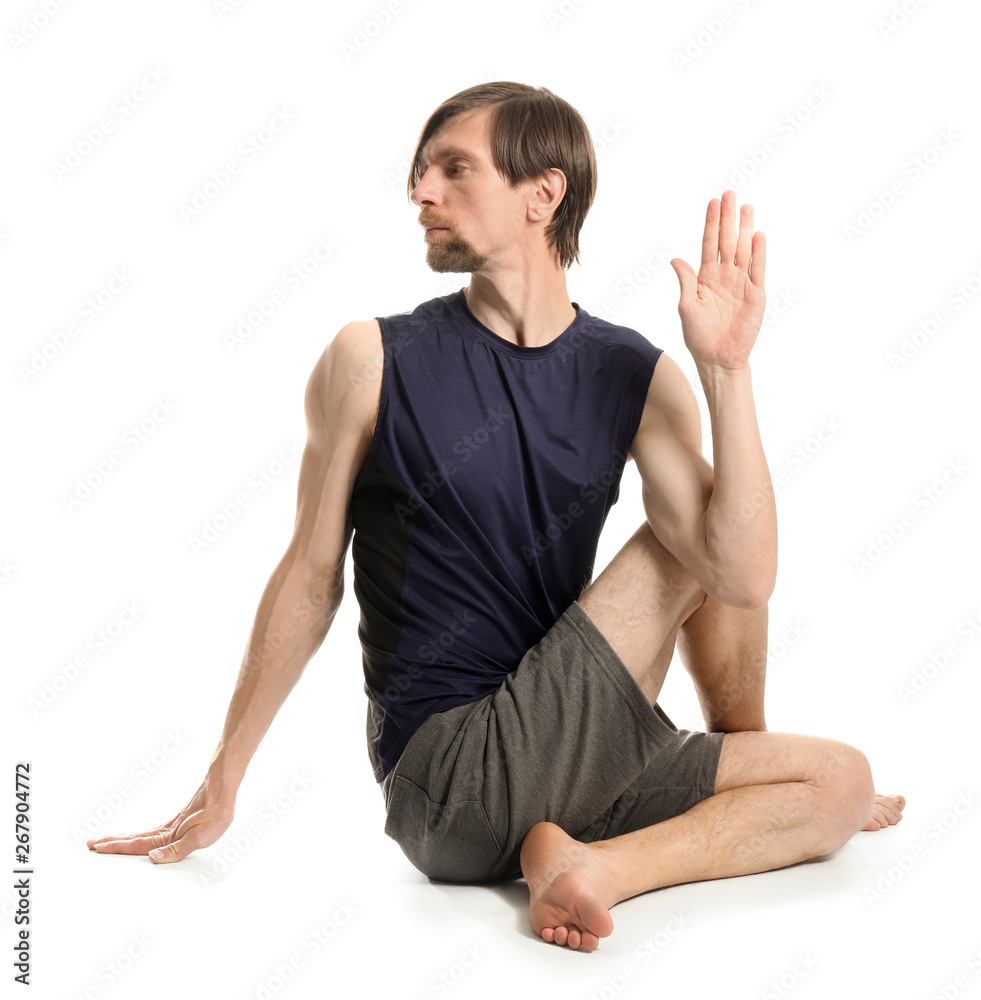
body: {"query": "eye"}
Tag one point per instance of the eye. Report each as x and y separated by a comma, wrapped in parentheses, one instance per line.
(454, 167)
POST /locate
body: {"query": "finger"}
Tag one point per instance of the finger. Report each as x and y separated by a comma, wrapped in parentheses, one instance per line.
(744, 248)
(710, 238)
(757, 270)
(686, 278)
(94, 842)
(130, 845)
(727, 228)
(176, 851)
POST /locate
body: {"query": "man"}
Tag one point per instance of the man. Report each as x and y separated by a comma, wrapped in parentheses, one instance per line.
(474, 447)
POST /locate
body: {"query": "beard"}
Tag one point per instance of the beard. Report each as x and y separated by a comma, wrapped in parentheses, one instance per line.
(452, 255)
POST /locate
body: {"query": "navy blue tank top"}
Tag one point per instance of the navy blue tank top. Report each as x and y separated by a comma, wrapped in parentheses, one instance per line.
(479, 507)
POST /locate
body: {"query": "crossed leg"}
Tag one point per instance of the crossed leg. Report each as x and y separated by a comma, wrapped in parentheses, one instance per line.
(779, 798)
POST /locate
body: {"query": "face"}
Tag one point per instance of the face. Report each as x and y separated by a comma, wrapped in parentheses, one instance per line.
(479, 216)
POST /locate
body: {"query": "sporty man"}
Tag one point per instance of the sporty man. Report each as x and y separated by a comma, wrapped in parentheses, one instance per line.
(473, 447)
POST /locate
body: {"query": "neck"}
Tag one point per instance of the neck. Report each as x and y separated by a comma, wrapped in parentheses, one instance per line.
(529, 308)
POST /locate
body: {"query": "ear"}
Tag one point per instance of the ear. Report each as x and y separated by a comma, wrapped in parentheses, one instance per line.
(547, 192)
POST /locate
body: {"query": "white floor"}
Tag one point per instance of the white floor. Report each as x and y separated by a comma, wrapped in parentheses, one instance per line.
(385, 930)
(326, 910)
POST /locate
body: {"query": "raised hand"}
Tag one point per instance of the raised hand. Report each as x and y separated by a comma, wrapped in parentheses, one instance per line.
(199, 824)
(722, 308)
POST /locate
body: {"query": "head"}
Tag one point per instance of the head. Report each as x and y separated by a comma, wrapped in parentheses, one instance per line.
(501, 163)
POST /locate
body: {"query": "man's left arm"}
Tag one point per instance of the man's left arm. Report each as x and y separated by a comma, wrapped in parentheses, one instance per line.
(719, 523)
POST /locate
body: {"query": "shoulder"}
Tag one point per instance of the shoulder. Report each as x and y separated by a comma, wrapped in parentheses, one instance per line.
(671, 405)
(344, 387)
(613, 335)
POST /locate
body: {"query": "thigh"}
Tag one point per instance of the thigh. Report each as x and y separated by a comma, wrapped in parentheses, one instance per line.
(677, 778)
(754, 758)
(565, 735)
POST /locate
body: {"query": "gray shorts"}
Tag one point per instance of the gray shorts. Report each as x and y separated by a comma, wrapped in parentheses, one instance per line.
(568, 737)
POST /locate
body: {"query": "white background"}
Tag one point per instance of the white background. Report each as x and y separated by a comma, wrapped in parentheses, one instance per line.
(846, 290)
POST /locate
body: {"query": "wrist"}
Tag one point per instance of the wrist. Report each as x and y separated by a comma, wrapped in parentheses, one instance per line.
(222, 780)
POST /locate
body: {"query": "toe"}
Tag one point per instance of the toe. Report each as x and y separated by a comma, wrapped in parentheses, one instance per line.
(548, 934)
(561, 935)
(575, 938)
(590, 942)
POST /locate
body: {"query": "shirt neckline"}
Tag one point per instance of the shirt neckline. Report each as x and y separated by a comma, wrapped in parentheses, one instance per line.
(517, 350)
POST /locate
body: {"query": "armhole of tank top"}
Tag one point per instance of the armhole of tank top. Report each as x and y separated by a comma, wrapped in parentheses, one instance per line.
(383, 388)
(642, 400)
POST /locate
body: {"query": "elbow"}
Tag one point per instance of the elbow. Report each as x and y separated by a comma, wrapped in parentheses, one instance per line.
(753, 598)
(741, 590)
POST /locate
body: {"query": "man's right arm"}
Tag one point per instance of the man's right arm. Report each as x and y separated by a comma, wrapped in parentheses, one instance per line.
(302, 595)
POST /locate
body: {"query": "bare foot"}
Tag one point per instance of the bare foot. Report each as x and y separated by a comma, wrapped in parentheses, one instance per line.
(571, 887)
(888, 811)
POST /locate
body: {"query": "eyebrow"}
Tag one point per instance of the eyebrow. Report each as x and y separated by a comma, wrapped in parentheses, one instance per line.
(452, 152)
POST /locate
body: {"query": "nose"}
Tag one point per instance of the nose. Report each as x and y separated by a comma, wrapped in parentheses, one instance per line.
(425, 192)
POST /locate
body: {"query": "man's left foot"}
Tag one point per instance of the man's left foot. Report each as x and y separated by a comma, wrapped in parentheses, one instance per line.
(888, 811)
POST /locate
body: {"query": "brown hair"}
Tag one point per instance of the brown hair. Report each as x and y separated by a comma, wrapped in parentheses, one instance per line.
(531, 131)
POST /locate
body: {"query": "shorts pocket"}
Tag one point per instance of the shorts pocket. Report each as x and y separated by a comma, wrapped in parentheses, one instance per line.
(452, 842)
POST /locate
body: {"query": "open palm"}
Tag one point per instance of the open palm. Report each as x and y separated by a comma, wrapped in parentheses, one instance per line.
(722, 307)
(199, 824)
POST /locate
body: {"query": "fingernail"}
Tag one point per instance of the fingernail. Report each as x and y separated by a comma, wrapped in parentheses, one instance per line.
(156, 854)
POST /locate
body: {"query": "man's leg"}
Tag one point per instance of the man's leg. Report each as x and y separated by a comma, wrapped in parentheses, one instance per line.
(779, 798)
(724, 650)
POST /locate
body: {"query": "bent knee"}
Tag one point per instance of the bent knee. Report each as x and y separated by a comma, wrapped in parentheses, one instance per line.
(848, 793)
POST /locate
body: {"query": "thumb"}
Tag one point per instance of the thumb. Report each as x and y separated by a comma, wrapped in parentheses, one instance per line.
(176, 851)
(686, 277)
